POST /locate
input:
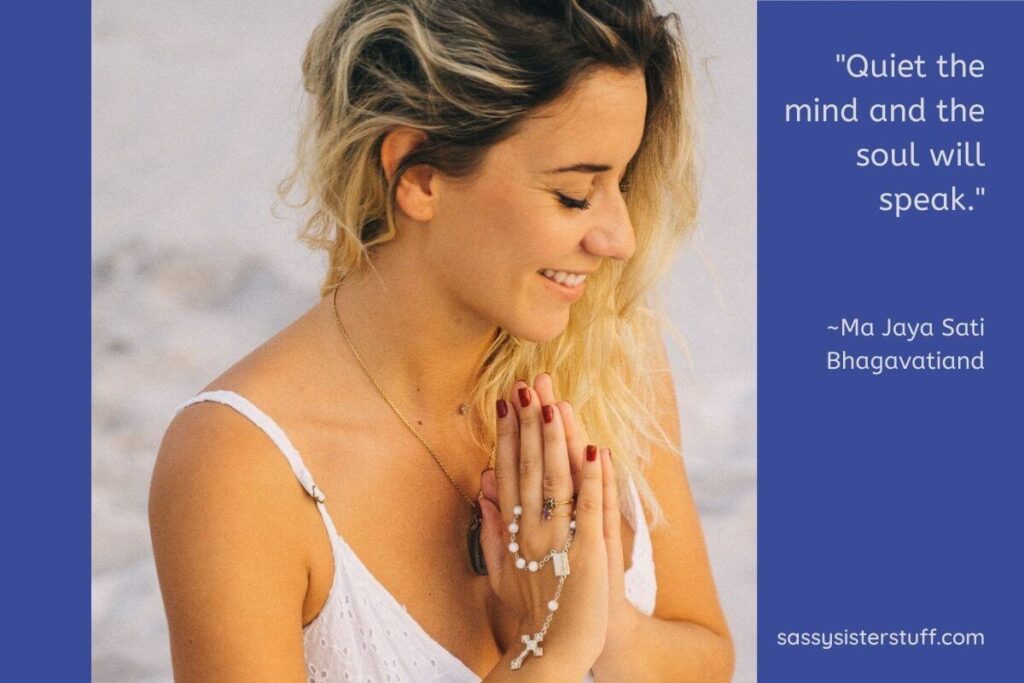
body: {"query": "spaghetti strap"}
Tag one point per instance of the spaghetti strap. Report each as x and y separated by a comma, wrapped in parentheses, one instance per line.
(642, 584)
(277, 435)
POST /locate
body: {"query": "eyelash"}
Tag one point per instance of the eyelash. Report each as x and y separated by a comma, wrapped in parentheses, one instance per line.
(571, 203)
(584, 204)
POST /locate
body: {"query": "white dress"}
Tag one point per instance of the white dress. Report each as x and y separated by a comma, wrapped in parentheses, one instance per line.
(363, 633)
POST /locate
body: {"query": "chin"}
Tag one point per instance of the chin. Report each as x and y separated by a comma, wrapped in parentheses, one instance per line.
(540, 329)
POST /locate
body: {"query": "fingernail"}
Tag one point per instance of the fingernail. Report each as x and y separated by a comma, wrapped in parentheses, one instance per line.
(591, 453)
(502, 408)
(548, 412)
(524, 396)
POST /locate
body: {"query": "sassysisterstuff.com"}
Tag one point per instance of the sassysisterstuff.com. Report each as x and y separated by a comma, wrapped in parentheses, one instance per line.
(826, 640)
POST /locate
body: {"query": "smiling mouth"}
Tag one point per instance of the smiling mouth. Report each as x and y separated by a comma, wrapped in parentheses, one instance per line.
(564, 278)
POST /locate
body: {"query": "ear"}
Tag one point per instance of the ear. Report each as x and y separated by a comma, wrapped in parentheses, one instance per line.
(416, 193)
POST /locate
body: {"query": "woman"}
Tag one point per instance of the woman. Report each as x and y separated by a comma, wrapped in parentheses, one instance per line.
(497, 185)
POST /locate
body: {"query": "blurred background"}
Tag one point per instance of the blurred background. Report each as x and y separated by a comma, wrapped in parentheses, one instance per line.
(195, 113)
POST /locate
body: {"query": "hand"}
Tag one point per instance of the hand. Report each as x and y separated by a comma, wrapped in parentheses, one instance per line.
(621, 611)
(533, 463)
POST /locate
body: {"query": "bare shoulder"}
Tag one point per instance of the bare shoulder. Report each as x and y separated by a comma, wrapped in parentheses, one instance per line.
(223, 510)
(210, 449)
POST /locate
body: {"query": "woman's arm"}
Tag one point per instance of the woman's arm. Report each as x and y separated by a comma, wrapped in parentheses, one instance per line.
(224, 521)
(686, 639)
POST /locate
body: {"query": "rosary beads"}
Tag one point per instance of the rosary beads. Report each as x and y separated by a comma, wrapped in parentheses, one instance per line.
(560, 564)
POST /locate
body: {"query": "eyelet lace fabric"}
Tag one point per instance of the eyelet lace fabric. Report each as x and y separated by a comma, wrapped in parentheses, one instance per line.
(363, 634)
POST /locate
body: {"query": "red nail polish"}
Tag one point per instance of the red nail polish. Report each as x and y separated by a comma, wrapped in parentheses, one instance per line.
(591, 453)
(548, 412)
(502, 408)
(524, 396)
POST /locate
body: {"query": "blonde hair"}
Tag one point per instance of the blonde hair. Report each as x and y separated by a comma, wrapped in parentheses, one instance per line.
(467, 73)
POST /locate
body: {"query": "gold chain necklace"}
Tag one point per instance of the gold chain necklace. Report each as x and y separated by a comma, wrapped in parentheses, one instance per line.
(476, 558)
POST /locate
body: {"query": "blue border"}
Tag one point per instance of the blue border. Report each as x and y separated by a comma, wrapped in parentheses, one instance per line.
(887, 503)
(46, 510)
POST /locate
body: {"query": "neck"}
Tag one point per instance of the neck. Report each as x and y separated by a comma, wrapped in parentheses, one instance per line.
(422, 348)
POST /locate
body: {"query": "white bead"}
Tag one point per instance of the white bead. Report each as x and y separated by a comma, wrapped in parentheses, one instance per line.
(520, 563)
(552, 605)
(572, 524)
(533, 565)
(513, 527)
(513, 547)
(517, 510)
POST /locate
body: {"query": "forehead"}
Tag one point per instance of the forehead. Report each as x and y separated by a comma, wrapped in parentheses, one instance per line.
(600, 120)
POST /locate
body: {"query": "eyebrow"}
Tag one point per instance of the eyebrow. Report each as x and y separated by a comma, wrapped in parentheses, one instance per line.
(581, 168)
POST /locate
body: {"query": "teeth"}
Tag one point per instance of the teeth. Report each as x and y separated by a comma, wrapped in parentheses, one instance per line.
(564, 278)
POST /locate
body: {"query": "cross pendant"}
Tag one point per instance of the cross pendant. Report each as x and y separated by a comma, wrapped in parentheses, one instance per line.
(531, 646)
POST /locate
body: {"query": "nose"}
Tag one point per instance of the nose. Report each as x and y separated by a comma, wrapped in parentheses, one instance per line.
(612, 234)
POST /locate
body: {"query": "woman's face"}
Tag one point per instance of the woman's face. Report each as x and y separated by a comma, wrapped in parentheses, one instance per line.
(546, 199)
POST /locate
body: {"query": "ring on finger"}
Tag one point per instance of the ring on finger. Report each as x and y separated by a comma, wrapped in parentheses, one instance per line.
(559, 556)
(550, 505)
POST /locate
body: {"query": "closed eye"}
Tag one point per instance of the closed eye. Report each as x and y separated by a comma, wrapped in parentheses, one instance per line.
(572, 203)
(583, 204)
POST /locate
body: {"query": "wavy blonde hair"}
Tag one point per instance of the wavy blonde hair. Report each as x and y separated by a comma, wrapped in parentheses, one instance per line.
(467, 73)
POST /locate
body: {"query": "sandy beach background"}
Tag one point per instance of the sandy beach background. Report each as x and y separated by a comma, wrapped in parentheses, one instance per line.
(195, 108)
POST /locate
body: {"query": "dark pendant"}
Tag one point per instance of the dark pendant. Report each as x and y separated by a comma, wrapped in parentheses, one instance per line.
(476, 551)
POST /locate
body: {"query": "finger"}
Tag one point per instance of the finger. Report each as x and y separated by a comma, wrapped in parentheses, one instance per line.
(557, 481)
(492, 540)
(575, 441)
(589, 505)
(489, 486)
(531, 460)
(506, 460)
(612, 525)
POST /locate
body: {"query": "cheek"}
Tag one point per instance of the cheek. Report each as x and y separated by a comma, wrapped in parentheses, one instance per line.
(495, 251)
(505, 231)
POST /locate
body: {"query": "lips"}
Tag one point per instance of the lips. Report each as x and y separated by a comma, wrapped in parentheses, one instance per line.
(564, 277)
(566, 292)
